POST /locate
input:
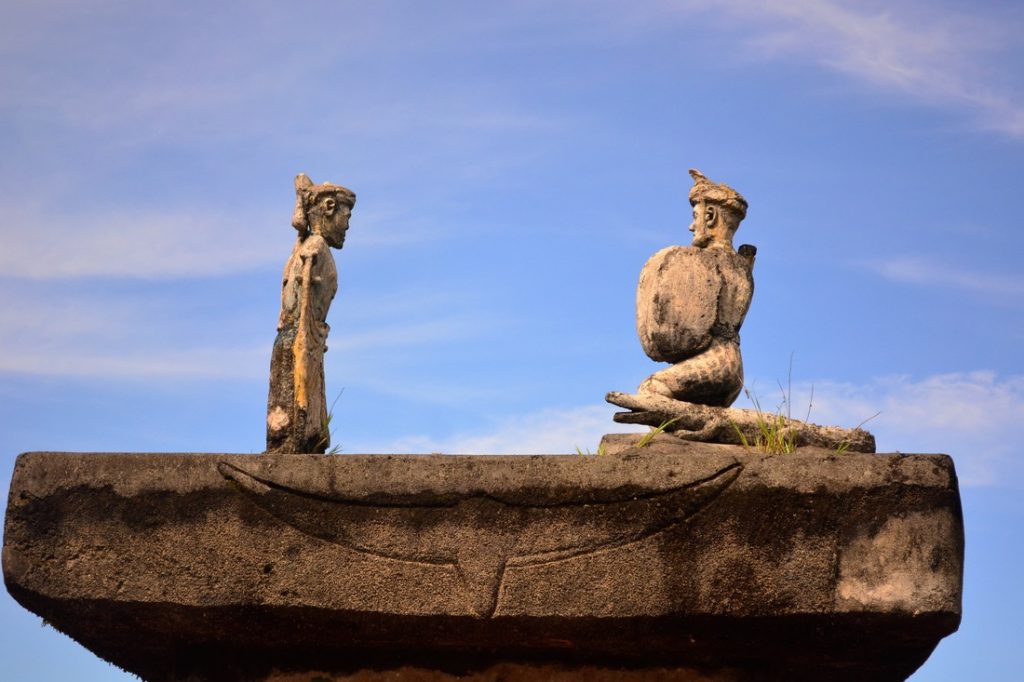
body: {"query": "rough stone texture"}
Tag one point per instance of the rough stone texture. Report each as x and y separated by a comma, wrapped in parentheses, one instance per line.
(679, 561)
(513, 672)
(297, 402)
(690, 421)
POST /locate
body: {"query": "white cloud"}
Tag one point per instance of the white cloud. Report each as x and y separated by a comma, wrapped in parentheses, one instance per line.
(71, 330)
(142, 244)
(912, 48)
(191, 363)
(71, 334)
(924, 272)
(132, 71)
(973, 416)
(411, 334)
(278, 56)
(549, 431)
(431, 390)
(128, 243)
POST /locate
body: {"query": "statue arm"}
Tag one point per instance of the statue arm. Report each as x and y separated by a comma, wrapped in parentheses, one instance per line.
(290, 290)
(319, 284)
(677, 303)
(304, 349)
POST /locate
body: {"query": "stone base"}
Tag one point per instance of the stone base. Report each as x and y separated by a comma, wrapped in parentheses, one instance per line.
(679, 561)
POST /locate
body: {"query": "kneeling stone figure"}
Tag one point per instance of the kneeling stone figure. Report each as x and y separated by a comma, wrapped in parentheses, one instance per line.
(691, 302)
(690, 305)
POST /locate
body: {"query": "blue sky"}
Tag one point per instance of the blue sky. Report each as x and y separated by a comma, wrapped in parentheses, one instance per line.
(515, 165)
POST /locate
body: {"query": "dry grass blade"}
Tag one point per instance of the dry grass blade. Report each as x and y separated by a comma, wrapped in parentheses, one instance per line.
(648, 437)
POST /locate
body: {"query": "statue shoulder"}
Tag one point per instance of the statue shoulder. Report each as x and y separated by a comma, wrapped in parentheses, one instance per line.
(676, 252)
(314, 244)
(686, 261)
(736, 266)
(677, 302)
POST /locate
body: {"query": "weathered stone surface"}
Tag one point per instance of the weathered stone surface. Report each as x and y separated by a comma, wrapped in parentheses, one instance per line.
(690, 421)
(678, 561)
(297, 402)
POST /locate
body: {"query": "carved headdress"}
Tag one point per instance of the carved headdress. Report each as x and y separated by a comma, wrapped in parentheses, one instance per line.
(705, 190)
(307, 194)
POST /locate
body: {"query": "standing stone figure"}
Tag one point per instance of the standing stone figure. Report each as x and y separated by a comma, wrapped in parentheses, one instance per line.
(297, 404)
(691, 301)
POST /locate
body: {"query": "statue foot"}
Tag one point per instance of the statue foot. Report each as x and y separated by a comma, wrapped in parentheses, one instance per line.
(691, 421)
(652, 386)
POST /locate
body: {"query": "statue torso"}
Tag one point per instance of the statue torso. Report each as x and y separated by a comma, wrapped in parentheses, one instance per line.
(688, 297)
(312, 259)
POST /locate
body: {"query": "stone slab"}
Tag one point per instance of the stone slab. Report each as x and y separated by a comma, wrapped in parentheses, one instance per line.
(681, 561)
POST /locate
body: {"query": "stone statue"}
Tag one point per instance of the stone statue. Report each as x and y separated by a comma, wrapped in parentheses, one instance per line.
(691, 301)
(297, 405)
(690, 305)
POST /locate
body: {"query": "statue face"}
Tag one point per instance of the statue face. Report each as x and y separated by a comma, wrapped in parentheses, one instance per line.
(332, 222)
(711, 225)
(703, 221)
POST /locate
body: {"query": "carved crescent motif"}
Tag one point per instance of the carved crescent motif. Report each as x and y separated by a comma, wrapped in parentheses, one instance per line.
(505, 531)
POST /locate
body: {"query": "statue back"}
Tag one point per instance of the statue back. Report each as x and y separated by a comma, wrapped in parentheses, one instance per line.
(688, 297)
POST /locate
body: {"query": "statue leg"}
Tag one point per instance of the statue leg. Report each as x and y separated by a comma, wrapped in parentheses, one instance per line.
(281, 401)
(715, 377)
(296, 406)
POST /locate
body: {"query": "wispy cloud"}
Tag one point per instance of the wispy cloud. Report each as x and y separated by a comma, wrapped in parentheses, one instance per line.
(412, 334)
(149, 245)
(137, 365)
(132, 71)
(915, 49)
(973, 416)
(66, 333)
(435, 390)
(97, 342)
(924, 272)
(68, 330)
(549, 431)
(132, 243)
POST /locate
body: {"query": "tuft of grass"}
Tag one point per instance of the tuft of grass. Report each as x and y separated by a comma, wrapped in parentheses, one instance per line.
(742, 436)
(326, 432)
(844, 446)
(587, 453)
(648, 437)
(774, 436)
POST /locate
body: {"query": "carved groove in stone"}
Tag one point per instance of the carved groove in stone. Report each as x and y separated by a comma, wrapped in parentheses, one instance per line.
(481, 535)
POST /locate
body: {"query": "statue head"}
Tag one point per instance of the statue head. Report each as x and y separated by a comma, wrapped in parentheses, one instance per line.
(717, 212)
(322, 209)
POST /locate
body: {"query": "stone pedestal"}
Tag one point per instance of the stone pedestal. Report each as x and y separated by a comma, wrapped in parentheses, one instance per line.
(672, 562)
